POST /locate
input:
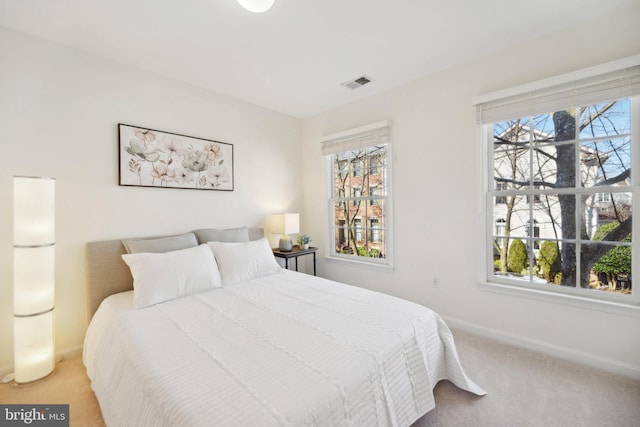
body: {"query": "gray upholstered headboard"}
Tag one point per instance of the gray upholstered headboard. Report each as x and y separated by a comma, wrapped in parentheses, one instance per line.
(108, 274)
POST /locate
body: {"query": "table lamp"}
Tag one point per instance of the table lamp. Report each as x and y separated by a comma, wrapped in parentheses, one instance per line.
(285, 224)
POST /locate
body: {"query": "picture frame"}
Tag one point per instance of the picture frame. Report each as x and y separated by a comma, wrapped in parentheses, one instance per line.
(154, 158)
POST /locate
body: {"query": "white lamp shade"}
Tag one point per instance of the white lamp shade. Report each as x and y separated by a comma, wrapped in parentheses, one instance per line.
(256, 6)
(33, 280)
(34, 211)
(33, 347)
(286, 223)
(33, 277)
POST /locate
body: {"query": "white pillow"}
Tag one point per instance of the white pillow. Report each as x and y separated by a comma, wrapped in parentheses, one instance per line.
(159, 277)
(244, 261)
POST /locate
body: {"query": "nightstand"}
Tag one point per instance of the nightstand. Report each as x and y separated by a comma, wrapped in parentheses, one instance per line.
(295, 253)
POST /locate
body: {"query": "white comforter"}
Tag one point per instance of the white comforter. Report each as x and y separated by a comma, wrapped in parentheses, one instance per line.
(287, 349)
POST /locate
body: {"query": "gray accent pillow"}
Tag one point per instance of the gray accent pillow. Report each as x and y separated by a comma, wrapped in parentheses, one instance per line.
(161, 244)
(230, 235)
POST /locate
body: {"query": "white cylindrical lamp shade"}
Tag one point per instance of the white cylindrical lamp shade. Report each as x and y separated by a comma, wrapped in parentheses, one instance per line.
(33, 347)
(33, 277)
(33, 280)
(34, 211)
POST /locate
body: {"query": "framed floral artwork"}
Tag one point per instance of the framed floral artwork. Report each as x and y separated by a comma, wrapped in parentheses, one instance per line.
(153, 158)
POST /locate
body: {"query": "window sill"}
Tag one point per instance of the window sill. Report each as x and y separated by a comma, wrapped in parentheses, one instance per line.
(630, 309)
(360, 264)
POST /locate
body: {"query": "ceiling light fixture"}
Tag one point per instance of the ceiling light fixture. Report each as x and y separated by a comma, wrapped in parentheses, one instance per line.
(256, 6)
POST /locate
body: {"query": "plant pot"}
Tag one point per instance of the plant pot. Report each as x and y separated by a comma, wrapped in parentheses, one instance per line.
(305, 246)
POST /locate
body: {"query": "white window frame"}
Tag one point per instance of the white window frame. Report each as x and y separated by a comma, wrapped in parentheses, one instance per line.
(363, 136)
(618, 80)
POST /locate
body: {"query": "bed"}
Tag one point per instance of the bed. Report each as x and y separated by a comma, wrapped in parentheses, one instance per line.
(257, 345)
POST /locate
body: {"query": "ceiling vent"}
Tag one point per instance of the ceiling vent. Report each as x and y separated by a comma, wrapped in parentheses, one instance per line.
(356, 83)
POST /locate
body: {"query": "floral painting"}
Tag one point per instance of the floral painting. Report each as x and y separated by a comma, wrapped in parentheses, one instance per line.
(152, 158)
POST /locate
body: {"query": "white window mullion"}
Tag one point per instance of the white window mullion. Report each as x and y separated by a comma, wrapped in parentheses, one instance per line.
(486, 209)
(635, 181)
(531, 197)
(578, 198)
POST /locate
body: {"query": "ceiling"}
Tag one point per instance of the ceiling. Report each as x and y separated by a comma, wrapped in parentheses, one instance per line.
(293, 58)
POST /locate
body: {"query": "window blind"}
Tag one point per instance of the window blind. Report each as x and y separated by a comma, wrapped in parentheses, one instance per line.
(354, 139)
(599, 84)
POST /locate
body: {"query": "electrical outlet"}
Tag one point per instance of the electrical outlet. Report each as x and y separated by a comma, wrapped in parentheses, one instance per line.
(435, 283)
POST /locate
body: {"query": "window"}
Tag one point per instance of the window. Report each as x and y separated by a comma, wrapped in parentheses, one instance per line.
(535, 197)
(374, 230)
(501, 186)
(359, 198)
(535, 229)
(357, 169)
(373, 192)
(561, 185)
(357, 192)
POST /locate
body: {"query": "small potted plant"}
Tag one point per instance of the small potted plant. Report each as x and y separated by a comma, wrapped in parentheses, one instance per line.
(303, 241)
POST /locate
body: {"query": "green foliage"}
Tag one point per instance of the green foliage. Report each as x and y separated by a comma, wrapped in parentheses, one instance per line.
(618, 259)
(497, 265)
(526, 271)
(605, 229)
(517, 259)
(558, 279)
(373, 253)
(304, 239)
(549, 260)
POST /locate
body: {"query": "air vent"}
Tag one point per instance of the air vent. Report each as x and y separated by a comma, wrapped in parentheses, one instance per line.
(357, 82)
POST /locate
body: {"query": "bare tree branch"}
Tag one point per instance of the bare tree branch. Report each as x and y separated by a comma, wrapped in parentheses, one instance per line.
(624, 175)
(597, 114)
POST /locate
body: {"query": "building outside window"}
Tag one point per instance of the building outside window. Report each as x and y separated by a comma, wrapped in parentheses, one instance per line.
(574, 161)
(501, 186)
(359, 197)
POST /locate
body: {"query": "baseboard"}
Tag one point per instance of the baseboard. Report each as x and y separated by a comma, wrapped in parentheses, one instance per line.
(611, 365)
(67, 353)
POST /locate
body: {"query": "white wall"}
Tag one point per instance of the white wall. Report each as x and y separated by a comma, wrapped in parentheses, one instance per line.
(437, 202)
(59, 110)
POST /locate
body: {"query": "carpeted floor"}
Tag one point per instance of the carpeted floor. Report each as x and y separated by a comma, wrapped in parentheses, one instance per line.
(530, 389)
(524, 389)
(68, 385)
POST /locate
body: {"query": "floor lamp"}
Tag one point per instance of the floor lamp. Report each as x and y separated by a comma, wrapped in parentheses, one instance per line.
(33, 277)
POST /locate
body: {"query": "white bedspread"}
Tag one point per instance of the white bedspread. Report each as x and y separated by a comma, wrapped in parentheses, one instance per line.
(287, 349)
